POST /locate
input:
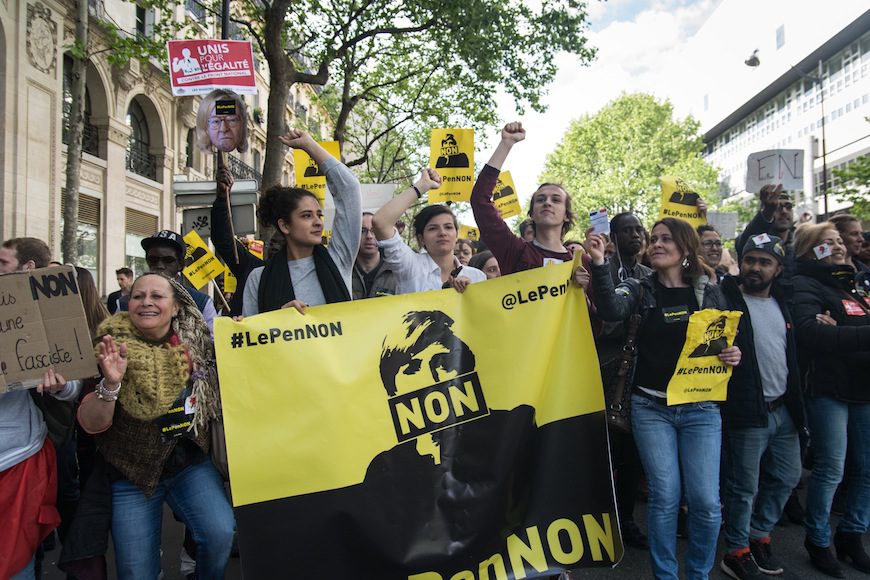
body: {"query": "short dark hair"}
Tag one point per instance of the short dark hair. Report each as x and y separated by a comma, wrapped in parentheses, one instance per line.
(125, 271)
(703, 228)
(30, 249)
(524, 225)
(425, 215)
(279, 202)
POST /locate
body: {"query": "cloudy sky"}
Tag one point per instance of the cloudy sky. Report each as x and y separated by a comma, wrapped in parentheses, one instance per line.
(637, 42)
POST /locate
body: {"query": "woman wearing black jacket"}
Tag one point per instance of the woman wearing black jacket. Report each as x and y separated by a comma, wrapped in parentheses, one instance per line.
(836, 363)
(679, 445)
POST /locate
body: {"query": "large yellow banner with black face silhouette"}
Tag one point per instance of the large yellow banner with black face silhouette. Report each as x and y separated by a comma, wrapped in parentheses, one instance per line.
(700, 375)
(426, 436)
(308, 174)
(504, 196)
(679, 200)
(451, 153)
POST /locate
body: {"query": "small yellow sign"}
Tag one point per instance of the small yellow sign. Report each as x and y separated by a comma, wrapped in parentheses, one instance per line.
(308, 174)
(230, 282)
(468, 233)
(504, 196)
(700, 375)
(452, 154)
(201, 266)
(679, 200)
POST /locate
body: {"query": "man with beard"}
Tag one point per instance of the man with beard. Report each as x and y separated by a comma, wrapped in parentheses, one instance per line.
(763, 413)
(775, 218)
(371, 277)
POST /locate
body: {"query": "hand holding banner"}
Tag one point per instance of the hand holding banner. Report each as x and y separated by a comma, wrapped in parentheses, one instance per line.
(308, 174)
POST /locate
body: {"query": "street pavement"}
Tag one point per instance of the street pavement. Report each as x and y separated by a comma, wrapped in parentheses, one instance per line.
(787, 546)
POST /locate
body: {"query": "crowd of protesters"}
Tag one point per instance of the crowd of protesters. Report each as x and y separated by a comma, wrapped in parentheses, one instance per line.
(800, 360)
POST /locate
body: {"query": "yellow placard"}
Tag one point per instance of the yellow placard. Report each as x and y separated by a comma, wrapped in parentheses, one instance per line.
(468, 233)
(308, 175)
(679, 200)
(504, 196)
(451, 153)
(201, 266)
(700, 375)
(255, 247)
(230, 281)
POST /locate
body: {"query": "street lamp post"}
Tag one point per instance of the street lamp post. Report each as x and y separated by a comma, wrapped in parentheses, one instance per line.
(753, 61)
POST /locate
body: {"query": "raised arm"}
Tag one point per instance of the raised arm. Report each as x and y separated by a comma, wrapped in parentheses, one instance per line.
(384, 221)
(221, 236)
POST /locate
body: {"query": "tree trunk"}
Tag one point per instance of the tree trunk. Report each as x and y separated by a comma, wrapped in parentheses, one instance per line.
(69, 241)
(280, 78)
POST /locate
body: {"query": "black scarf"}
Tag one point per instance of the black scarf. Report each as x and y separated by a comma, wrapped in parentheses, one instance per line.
(276, 288)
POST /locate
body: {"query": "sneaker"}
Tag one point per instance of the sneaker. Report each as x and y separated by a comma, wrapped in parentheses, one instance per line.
(740, 567)
(764, 558)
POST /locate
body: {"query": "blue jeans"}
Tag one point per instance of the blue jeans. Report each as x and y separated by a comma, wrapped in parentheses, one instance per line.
(833, 423)
(771, 454)
(28, 573)
(683, 439)
(197, 496)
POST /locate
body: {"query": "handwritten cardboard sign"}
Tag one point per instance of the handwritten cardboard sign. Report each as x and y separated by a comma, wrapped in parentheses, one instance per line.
(785, 166)
(42, 326)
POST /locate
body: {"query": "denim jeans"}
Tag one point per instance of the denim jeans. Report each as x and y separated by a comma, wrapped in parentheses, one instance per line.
(687, 440)
(28, 573)
(197, 495)
(762, 467)
(833, 423)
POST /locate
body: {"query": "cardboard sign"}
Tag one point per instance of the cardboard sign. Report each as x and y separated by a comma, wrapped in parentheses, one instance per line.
(308, 174)
(700, 375)
(679, 200)
(725, 223)
(197, 67)
(452, 154)
(775, 166)
(43, 326)
(468, 233)
(504, 196)
(201, 266)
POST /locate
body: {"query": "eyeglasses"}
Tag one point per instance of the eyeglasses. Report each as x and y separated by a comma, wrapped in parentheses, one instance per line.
(367, 231)
(786, 205)
(230, 121)
(165, 260)
(712, 243)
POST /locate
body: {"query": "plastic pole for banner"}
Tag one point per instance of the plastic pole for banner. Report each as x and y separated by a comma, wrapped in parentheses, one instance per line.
(220, 294)
(219, 155)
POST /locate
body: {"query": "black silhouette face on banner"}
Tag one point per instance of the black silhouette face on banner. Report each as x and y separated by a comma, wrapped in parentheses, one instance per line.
(501, 190)
(312, 170)
(424, 355)
(450, 155)
(194, 253)
(684, 194)
(714, 340)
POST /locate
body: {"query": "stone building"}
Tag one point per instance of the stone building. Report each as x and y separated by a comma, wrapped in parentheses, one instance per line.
(138, 138)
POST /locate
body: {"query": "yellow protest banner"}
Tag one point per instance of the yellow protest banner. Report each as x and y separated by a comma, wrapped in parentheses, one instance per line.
(680, 201)
(230, 281)
(700, 375)
(382, 417)
(308, 174)
(451, 153)
(200, 265)
(468, 233)
(504, 196)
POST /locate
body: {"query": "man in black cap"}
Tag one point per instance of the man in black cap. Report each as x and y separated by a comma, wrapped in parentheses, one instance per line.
(763, 413)
(775, 218)
(164, 254)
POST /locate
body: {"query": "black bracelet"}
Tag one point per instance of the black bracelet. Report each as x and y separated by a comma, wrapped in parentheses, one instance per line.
(419, 195)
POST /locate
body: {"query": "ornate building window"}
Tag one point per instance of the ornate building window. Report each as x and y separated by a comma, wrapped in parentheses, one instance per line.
(139, 158)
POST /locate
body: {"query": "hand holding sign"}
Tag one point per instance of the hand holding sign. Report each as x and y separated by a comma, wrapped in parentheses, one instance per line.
(769, 196)
(595, 244)
(224, 181)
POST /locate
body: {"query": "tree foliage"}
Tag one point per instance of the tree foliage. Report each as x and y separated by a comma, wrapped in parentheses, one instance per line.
(614, 158)
(410, 62)
(853, 185)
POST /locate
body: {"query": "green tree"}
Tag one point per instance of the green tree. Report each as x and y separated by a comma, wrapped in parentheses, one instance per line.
(614, 158)
(853, 185)
(409, 62)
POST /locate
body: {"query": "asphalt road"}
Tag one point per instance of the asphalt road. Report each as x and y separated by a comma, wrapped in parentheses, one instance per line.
(787, 545)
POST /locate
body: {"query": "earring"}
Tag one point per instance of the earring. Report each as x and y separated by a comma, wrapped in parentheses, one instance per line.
(685, 263)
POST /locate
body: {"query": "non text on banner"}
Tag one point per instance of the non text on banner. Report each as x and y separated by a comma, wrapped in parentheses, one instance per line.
(451, 154)
(401, 479)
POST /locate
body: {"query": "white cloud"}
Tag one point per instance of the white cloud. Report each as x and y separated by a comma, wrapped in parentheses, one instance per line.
(634, 54)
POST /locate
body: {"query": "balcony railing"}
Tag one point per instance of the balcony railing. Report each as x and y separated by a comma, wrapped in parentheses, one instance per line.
(196, 8)
(141, 163)
(242, 170)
